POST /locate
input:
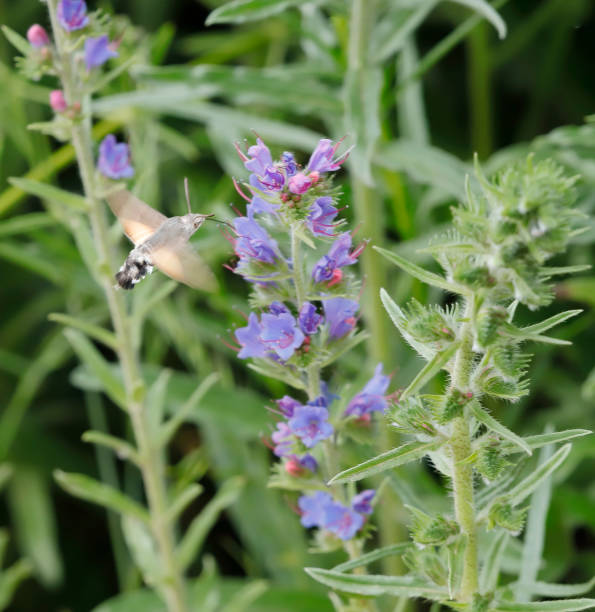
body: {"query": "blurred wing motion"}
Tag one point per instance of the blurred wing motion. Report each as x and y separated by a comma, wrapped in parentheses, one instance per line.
(138, 219)
(171, 253)
(183, 264)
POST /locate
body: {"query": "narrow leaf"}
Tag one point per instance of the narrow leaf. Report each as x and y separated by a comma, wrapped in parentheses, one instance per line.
(559, 605)
(373, 585)
(484, 8)
(386, 461)
(488, 579)
(241, 11)
(94, 331)
(198, 530)
(124, 450)
(11, 578)
(539, 328)
(430, 370)
(16, 40)
(96, 492)
(23, 224)
(547, 589)
(559, 271)
(93, 359)
(49, 192)
(491, 423)
(540, 440)
(181, 502)
(375, 555)
(423, 275)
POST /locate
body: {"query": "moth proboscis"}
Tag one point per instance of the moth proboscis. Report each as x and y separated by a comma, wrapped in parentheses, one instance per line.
(160, 242)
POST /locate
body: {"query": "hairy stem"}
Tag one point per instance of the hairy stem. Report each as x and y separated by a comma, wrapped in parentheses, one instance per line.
(152, 464)
(460, 446)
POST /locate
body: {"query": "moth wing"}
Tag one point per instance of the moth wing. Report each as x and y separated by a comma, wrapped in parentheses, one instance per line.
(138, 219)
(183, 264)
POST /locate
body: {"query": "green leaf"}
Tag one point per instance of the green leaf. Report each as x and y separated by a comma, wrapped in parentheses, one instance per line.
(546, 589)
(484, 8)
(11, 578)
(23, 224)
(94, 331)
(514, 332)
(6, 472)
(16, 40)
(431, 369)
(423, 275)
(49, 192)
(96, 492)
(144, 550)
(124, 450)
(31, 259)
(540, 440)
(539, 328)
(491, 423)
(411, 451)
(241, 11)
(375, 555)
(490, 569)
(181, 501)
(373, 585)
(199, 528)
(33, 515)
(560, 270)
(561, 605)
(93, 359)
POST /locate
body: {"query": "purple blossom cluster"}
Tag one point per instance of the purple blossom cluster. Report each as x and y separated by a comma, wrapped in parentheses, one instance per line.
(306, 306)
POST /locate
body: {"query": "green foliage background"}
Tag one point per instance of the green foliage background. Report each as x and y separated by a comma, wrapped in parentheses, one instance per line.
(282, 77)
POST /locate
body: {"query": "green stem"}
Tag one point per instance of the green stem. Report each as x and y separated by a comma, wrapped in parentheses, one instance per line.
(460, 446)
(152, 464)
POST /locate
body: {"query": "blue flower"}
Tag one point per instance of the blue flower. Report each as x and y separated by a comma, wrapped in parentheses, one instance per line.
(253, 241)
(260, 158)
(313, 508)
(309, 319)
(343, 522)
(326, 393)
(308, 462)
(114, 158)
(339, 314)
(98, 51)
(72, 14)
(371, 397)
(309, 423)
(321, 159)
(281, 334)
(288, 162)
(283, 440)
(277, 308)
(337, 257)
(287, 405)
(249, 339)
(322, 214)
(361, 502)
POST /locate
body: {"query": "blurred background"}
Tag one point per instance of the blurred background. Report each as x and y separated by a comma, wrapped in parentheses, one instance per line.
(442, 87)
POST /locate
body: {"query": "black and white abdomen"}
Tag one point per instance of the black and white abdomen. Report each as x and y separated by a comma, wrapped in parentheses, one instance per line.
(134, 269)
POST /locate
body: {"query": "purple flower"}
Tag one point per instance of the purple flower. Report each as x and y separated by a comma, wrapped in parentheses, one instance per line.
(371, 397)
(278, 308)
(273, 179)
(37, 36)
(260, 160)
(249, 339)
(361, 502)
(343, 522)
(308, 462)
(114, 158)
(72, 14)
(299, 183)
(309, 424)
(340, 316)
(309, 319)
(282, 439)
(287, 405)
(322, 214)
(98, 51)
(281, 334)
(321, 159)
(337, 257)
(288, 161)
(253, 241)
(326, 393)
(313, 508)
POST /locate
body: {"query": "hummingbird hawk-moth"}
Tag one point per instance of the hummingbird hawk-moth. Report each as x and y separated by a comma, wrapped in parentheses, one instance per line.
(160, 242)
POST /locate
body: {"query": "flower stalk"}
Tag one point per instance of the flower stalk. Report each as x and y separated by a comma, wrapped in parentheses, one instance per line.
(151, 459)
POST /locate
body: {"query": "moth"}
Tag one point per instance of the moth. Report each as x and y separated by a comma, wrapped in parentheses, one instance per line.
(160, 242)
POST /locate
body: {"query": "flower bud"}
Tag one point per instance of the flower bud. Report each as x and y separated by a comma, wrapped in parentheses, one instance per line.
(57, 101)
(293, 467)
(37, 36)
(299, 183)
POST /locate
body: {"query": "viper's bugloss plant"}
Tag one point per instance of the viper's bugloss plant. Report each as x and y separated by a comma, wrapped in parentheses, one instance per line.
(294, 251)
(495, 259)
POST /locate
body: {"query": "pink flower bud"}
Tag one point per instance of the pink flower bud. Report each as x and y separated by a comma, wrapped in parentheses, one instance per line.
(37, 36)
(57, 101)
(293, 467)
(299, 183)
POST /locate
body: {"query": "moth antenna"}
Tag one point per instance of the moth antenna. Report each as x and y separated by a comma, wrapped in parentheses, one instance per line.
(213, 218)
(187, 192)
